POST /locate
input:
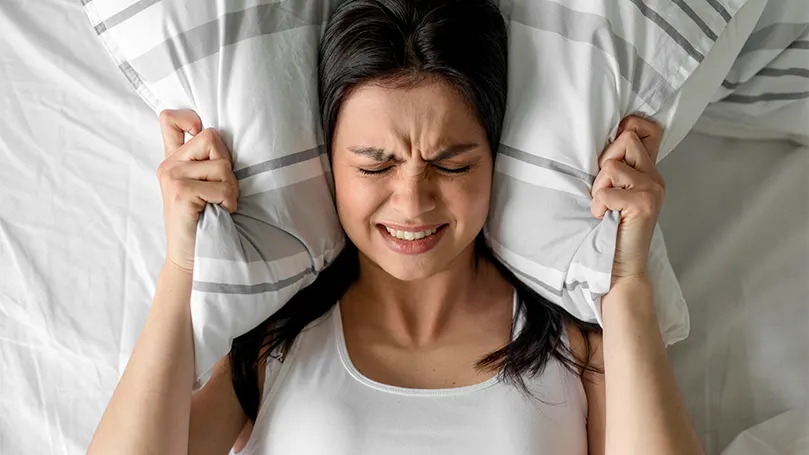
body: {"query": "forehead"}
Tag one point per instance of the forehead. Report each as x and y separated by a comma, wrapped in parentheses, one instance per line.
(423, 116)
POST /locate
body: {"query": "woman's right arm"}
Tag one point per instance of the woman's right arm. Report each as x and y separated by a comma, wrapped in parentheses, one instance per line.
(153, 409)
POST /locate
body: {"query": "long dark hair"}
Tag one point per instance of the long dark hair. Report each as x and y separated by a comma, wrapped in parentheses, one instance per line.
(465, 43)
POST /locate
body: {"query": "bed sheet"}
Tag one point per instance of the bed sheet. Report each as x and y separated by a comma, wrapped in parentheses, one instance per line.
(80, 225)
(736, 220)
(81, 243)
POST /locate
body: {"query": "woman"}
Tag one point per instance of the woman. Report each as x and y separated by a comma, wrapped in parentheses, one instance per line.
(416, 340)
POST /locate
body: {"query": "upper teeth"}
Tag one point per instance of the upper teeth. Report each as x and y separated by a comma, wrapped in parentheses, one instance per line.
(408, 235)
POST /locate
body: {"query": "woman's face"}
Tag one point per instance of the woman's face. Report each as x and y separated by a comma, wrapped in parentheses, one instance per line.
(413, 174)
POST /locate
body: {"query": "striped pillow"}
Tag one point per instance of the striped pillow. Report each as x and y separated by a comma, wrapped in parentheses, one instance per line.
(248, 68)
(766, 92)
(576, 69)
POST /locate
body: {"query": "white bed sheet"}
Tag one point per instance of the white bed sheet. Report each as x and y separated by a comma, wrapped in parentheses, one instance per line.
(81, 242)
(80, 225)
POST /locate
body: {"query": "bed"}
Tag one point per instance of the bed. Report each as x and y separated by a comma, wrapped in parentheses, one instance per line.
(81, 243)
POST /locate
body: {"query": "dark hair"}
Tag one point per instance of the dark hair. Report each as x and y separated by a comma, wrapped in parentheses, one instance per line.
(401, 42)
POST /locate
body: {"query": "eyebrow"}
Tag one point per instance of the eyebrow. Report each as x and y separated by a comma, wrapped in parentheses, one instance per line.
(378, 154)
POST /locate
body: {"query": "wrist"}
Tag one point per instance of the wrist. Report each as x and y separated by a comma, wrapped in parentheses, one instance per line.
(172, 266)
(175, 273)
(633, 293)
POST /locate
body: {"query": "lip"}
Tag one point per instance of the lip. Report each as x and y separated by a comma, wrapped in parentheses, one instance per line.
(411, 247)
(419, 228)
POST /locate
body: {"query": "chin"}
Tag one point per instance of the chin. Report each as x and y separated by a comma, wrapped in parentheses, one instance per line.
(408, 272)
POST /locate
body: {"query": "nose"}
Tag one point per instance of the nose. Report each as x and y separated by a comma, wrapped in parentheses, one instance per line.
(413, 195)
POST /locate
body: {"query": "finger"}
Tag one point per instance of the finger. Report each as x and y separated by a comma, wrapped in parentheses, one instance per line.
(173, 126)
(609, 199)
(207, 145)
(648, 131)
(208, 170)
(200, 192)
(617, 174)
(623, 200)
(628, 147)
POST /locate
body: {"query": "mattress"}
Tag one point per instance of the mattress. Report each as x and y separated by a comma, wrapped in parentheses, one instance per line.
(81, 243)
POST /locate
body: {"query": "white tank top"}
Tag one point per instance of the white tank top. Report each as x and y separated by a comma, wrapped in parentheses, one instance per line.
(317, 403)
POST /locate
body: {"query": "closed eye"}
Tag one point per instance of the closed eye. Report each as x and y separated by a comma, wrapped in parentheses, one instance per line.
(453, 171)
(375, 171)
(441, 169)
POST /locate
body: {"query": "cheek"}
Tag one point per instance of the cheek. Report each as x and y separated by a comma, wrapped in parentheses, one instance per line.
(468, 200)
(356, 198)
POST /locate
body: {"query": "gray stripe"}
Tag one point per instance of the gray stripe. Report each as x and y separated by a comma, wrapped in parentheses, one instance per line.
(124, 15)
(559, 223)
(304, 212)
(720, 9)
(775, 72)
(666, 27)
(570, 286)
(280, 162)
(697, 20)
(648, 84)
(528, 277)
(131, 75)
(260, 288)
(776, 36)
(230, 28)
(749, 99)
(266, 228)
(84, 2)
(546, 163)
(731, 85)
(770, 72)
(800, 44)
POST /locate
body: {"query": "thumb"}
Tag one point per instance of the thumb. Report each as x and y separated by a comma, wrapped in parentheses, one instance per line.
(173, 126)
(647, 131)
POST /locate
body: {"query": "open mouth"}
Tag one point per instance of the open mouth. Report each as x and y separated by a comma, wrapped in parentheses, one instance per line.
(410, 235)
(415, 241)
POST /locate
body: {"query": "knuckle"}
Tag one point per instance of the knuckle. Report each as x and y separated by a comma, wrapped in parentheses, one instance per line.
(181, 187)
(655, 129)
(165, 116)
(224, 167)
(611, 167)
(660, 192)
(236, 188)
(598, 195)
(230, 191)
(632, 137)
(207, 136)
(161, 171)
(661, 181)
(164, 171)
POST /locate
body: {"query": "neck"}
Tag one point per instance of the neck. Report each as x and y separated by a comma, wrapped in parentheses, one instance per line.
(417, 312)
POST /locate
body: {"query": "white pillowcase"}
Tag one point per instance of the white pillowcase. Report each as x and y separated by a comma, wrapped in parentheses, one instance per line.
(576, 68)
(765, 95)
(249, 69)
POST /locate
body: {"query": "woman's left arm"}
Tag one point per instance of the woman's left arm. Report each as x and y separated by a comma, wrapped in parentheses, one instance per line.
(634, 407)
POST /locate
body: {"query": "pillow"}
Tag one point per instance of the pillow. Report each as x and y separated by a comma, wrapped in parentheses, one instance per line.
(248, 68)
(576, 69)
(765, 94)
